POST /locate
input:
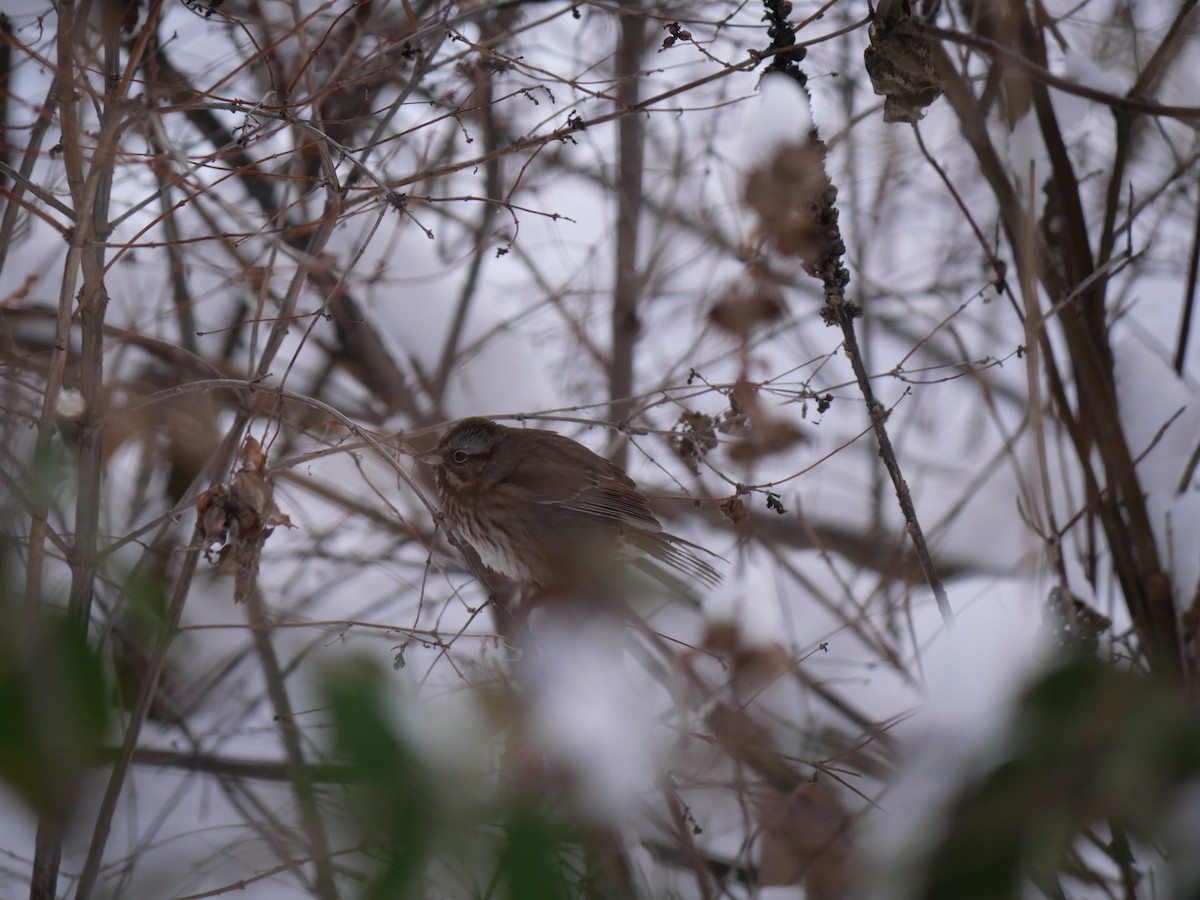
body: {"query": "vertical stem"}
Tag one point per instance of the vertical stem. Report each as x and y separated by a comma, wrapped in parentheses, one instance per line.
(1189, 299)
(61, 98)
(90, 311)
(1034, 334)
(90, 181)
(627, 283)
(137, 715)
(43, 884)
(299, 773)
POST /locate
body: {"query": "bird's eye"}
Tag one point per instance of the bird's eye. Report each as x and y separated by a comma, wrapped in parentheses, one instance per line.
(458, 457)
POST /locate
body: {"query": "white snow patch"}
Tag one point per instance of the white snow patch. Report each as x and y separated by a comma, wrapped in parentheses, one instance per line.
(1082, 70)
(974, 673)
(587, 716)
(783, 116)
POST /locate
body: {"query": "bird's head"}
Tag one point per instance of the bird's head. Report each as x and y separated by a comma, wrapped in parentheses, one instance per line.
(463, 454)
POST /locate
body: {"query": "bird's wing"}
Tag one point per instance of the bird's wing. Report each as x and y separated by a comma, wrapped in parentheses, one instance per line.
(582, 481)
(576, 480)
(613, 499)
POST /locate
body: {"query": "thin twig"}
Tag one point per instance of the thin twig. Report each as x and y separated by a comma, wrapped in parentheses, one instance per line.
(1189, 299)
(299, 772)
(830, 268)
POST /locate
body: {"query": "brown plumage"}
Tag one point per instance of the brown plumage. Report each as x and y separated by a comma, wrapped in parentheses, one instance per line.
(547, 511)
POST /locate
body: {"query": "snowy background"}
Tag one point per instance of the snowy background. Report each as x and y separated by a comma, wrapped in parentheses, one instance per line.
(337, 227)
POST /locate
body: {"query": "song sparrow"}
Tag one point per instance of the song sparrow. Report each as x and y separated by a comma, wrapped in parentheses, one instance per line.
(547, 511)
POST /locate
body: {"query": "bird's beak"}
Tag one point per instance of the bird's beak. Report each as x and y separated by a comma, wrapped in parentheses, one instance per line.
(430, 457)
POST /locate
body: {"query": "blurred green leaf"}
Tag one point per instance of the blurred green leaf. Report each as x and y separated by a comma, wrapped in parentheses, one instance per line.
(1087, 744)
(392, 792)
(48, 472)
(139, 627)
(54, 710)
(530, 864)
(413, 818)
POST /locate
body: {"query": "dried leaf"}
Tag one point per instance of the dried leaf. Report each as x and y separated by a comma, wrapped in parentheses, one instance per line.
(793, 198)
(770, 436)
(734, 422)
(804, 836)
(694, 438)
(253, 458)
(764, 433)
(735, 510)
(213, 517)
(752, 664)
(241, 518)
(747, 305)
(900, 63)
